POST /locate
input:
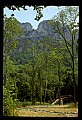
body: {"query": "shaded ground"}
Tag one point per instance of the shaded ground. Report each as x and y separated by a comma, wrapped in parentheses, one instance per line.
(47, 111)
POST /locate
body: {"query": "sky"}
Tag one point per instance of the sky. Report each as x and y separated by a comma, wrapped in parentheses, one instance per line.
(29, 15)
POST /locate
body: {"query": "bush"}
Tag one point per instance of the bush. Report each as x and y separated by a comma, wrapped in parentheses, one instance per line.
(7, 103)
(71, 105)
(37, 103)
(25, 103)
(45, 103)
(19, 104)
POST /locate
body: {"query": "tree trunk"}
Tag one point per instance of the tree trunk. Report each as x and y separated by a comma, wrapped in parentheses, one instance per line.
(59, 83)
(74, 85)
(74, 82)
(33, 92)
(46, 78)
(33, 85)
(40, 93)
(44, 93)
(39, 77)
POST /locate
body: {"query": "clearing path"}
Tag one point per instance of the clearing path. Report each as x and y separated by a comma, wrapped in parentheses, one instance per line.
(47, 111)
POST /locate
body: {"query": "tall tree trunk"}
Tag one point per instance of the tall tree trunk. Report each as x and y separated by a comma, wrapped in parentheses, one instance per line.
(74, 85)
(33, 85)
(46, 79)
(39, 77)
(33, 92)
(74, 82)
(40, 93)
(33, 76)
(45, 89)
(59, 83)
(44, 93)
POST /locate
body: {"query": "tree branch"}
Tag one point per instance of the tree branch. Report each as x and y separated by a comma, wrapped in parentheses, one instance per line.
(64, 40)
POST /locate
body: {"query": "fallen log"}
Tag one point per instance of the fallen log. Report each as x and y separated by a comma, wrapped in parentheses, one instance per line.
(57, 101)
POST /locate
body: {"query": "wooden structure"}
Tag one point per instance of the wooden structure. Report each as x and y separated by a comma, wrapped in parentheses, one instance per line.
(63, 98)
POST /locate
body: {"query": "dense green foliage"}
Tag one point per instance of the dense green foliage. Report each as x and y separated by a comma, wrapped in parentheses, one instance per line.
(7, 103)
(11, 30)
(49, 72)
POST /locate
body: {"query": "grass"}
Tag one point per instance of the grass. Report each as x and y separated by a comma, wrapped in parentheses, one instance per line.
(71, 105)
(38, 103)
(37, 114)
(68, 110)
(22, 104)
(62, 112)
(26, 103)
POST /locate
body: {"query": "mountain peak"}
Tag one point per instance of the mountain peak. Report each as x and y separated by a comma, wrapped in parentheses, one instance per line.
(26, 26)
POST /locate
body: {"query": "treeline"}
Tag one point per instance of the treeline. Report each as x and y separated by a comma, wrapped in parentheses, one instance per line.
(52, 65)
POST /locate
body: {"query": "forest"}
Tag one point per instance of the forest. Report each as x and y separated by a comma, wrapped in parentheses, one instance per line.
(50, 68)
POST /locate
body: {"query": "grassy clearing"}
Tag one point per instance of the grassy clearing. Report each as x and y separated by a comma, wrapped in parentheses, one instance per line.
(37, 114)
(47, 111)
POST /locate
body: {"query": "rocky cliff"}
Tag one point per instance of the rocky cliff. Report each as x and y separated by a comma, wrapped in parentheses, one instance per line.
(44, 30)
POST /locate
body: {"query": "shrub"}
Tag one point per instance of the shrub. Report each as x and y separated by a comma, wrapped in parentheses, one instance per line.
(71, 105)
(25, 103)
(18, 104)
(7, 103)
(37, 103)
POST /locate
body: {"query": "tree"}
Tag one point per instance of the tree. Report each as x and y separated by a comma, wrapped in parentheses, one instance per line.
(11, 30)
(32, 65)
(23, 83)
(9, 81)
(57, 56)
(39, 71)
(66, 20)
(7, 103)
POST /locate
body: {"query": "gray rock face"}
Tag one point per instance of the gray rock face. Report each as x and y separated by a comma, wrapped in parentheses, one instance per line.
(44, 27)
(26, 26)
(43, 30)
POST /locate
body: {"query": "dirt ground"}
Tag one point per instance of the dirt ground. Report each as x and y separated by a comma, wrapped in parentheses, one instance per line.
(47, 111)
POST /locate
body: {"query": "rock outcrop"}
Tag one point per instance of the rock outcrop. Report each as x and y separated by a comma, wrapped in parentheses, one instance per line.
(44, 30)
(26, 26)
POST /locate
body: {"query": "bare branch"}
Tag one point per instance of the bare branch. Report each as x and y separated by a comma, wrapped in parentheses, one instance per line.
(65, 40)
